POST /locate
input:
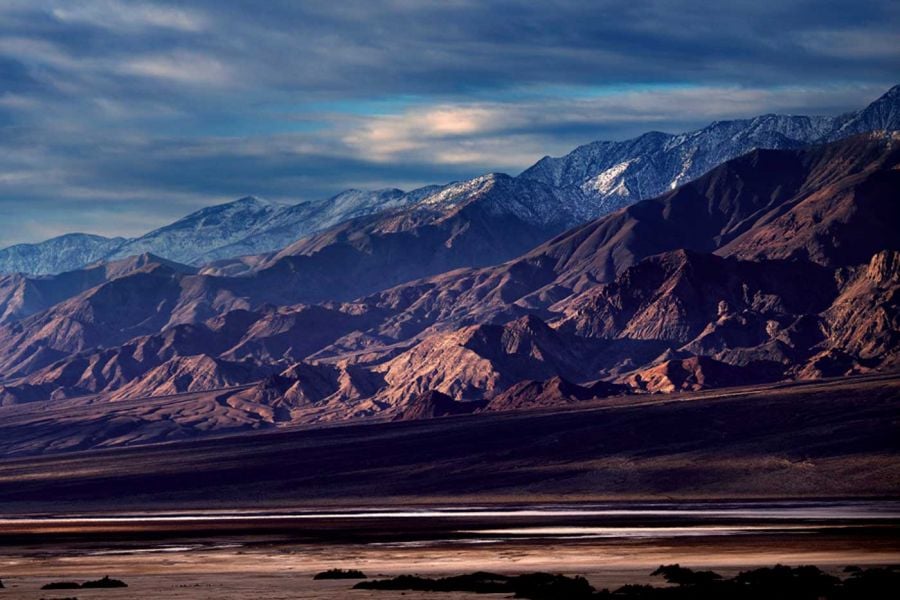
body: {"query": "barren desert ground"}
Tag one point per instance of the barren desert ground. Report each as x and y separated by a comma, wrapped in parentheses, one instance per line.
(611, 544)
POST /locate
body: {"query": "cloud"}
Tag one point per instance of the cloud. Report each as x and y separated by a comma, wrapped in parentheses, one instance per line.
(853, 44)
(153, 109)
(117, 16)
(183, 67)
(514, 134)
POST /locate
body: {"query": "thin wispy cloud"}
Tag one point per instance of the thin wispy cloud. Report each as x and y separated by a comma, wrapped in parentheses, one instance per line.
(116, 15)
(184, 67)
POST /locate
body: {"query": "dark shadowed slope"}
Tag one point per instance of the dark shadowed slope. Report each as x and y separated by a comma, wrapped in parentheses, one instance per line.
(22, 295)
(474, 223)
(827, 439)
(765, 191)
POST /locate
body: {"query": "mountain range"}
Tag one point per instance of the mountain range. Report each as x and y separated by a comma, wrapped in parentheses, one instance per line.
(777, 264)
(589, 182)
(616, 174)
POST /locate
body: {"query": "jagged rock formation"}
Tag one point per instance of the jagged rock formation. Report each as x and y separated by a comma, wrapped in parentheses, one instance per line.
(779, 264)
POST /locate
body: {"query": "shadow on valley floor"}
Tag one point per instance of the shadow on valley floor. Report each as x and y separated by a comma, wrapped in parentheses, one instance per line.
(836, 439)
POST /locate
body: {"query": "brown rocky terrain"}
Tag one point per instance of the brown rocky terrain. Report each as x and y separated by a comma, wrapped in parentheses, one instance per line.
(776, 265)
(478, 222)
(692, 374)
(555, 391)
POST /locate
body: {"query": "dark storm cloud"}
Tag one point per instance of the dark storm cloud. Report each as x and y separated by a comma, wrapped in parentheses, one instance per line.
(117, 116)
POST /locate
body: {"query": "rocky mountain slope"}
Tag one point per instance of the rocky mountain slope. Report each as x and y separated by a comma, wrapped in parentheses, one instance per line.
(474, 223)
(22, 295)
(254, 226)
(56, 255)
(307, 218)
(248, 225)
(778, 264)
(189, 238)
(799, 202)
(616, 174)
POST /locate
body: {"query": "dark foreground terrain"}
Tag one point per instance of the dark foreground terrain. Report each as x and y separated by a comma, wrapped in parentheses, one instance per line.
(800, 583)
(838, 438)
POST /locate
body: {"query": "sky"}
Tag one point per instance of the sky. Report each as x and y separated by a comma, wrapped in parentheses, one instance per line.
(120, 116)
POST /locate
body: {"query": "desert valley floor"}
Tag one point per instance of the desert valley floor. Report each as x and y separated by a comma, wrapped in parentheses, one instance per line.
(275, 555)
(731, 479)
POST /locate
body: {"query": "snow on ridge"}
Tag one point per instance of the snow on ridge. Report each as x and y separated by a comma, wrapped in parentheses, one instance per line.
(614, 174)
(590, 181)
(610, 181)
